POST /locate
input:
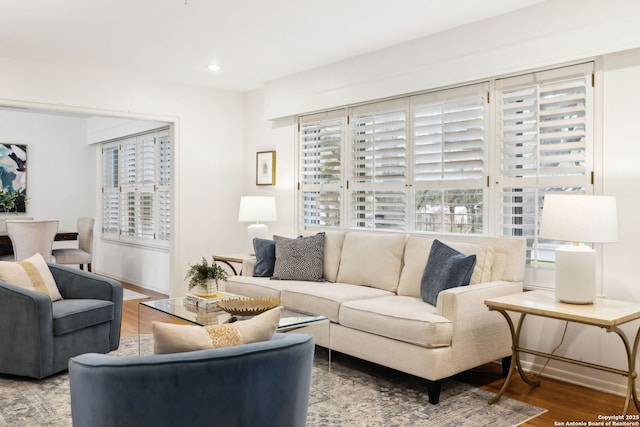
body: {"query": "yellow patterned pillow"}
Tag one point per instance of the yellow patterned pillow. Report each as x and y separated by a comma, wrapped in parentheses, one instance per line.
(259, 328)
(170, 338)
(32, 273)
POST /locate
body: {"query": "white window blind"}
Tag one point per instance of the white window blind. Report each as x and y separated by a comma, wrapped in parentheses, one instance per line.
(544, 130)
(136, 188)
(321, 148)
(377, 184)
(449, 137)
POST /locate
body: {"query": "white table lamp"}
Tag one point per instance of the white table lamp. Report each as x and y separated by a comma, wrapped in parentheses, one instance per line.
(256, 209)
(578, 218)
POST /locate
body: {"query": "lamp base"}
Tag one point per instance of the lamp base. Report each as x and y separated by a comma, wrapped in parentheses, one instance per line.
(576, 274)
(260, 231)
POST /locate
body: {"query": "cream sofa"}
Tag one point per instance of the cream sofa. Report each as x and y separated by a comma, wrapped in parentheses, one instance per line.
(371, 295)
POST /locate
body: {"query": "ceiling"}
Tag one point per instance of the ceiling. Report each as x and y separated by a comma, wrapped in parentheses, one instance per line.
(254, 41)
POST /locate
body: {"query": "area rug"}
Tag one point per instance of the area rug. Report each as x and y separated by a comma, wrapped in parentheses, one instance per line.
(353, 393)
(128, 294)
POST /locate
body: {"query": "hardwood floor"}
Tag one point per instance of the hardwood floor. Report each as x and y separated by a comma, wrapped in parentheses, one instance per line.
(563, 401)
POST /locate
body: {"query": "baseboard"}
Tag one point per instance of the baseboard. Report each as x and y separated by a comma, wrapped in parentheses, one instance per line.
(131, 282)
(612, 386)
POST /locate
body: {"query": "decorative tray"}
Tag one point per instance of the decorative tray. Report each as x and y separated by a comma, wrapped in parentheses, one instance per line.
(245, 306)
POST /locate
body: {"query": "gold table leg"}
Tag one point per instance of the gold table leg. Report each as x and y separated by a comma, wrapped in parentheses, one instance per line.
(515, 355)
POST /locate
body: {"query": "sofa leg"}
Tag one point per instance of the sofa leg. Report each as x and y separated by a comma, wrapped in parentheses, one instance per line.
(433, 388)
(506, 364)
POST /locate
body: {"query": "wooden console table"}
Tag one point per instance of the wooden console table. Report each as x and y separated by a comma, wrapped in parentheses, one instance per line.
(603, 313)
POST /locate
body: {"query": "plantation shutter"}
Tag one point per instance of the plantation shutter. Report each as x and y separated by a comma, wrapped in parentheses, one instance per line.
(164, 187)
(378, 178)
(137, 187)
(449, 136)
(321, 146)
(110, 193)
(545, 137)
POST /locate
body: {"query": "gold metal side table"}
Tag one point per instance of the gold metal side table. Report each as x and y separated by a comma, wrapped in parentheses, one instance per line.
(604, 313)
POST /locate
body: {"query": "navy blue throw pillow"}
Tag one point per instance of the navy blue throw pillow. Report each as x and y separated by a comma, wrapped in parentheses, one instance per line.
(446, 268)
(265, 257)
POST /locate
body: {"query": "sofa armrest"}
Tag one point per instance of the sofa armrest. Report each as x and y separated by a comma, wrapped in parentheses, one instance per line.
(479, 335)
(468, 301)
(248, 266)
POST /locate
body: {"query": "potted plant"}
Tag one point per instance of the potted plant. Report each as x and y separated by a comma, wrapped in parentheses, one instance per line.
(9, 200)
(204, 277)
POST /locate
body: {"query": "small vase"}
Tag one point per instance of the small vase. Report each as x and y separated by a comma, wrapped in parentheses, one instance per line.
(211, 288)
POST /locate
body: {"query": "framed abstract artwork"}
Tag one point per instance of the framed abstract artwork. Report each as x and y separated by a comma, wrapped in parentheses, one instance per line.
(266, 168)
(13, 177)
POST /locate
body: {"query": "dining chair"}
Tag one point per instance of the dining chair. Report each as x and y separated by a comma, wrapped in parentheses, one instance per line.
(31, 237)
(83, 253)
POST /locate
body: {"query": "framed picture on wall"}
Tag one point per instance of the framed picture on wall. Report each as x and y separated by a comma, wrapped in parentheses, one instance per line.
(13, 178)
(266, 168)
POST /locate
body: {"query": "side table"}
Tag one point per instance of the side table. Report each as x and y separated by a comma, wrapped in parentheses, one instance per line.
(604, 313)
(231, 259)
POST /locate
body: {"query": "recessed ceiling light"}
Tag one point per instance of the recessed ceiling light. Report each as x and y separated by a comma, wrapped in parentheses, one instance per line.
(214, 67)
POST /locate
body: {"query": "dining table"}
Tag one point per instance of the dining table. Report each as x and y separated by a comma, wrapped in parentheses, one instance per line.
(61, 236)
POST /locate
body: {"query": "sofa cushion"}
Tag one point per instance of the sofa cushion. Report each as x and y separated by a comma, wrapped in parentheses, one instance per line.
(171, 338)
(415, 258)
(74, 314)
(446, 268)
(265, 251)
(403, 318)
(299, 259)
(257, 287)
(31, 273)
(333, 240)
(325, 298)
(372, 259)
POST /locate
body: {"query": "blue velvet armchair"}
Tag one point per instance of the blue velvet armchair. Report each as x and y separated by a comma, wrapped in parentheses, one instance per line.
(255, 385)
(39, 337)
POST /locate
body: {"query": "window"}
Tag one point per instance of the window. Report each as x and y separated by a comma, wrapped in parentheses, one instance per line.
(543, 128)
(477, 159)
(412, 164)
(136, 188)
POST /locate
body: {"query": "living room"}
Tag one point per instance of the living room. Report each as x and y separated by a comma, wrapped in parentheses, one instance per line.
(218, 131)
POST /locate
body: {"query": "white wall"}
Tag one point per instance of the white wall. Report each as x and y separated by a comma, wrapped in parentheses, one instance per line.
(541, 35)
(208, 179)
(60, 165)
(474, 52)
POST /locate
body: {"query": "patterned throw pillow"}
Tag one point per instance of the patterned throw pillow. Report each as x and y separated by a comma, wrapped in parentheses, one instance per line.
(299, 259)
(171, 338)
(265, 257)
(32, 273)
(446, 268)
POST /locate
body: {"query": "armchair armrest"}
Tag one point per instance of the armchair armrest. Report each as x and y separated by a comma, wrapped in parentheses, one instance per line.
(26, 322)
(78, 284)
(476, 329)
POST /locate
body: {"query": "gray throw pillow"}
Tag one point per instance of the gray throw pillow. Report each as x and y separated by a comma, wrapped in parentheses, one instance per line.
(299, 259)
(446, 268)
(265, 251)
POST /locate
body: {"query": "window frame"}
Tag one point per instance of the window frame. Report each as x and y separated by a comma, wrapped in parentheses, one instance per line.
(148, 177)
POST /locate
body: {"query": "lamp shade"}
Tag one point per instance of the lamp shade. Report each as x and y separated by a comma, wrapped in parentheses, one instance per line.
(579, 218)
(257, 209)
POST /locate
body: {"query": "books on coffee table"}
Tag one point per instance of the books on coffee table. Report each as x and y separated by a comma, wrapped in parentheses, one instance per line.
(208, 302)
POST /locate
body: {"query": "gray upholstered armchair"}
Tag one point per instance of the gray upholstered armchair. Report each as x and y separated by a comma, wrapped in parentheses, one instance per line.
(38, 337)
(255, 385)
